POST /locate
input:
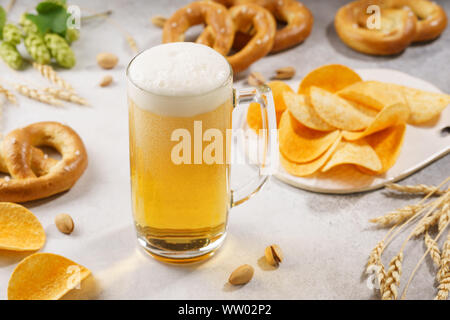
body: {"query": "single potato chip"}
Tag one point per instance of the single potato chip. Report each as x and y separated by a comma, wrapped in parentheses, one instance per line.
(300, 144)
(20, 230)
(254, 119)
(333, 77)
(359, 153)
(390, 116)
(374, 94)
(308, 168)
(424, 105)
(45, 276)
(303, 112)
(339, 112)
(387, 145)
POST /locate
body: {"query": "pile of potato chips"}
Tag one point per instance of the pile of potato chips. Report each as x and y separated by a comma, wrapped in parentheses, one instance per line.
(40, 276)
(337, 119)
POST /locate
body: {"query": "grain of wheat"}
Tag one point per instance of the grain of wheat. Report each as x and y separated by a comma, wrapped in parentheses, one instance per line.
(49, 73)
(416, 189)
(35, 94)
(432, 245)
(398, 216)
(11, 97)
(433, 219)
(66, 96)
(393, 278)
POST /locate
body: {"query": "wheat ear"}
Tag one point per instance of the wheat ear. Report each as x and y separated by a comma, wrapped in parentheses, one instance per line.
(432, 246)
(445, 216)
(417, 189)
(420, 262)
(393, 278)
(37, 95)
(11, 97)
(445, 260)
(398, 215)
(432, 220)
(49, 73)
(66, 96)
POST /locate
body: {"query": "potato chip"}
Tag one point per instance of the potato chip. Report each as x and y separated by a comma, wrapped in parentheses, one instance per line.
(390, 116)
(45, 276)
(254, 119)
(308, 168)
(303, 112)
(374, 94)
(301, 144)
(359, 153)
(387, 145)
(333, 77)
(340, 113)
(424, 106)
(20, 230)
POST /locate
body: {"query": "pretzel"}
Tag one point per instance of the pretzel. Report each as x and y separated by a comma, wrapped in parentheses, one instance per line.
(34, 175)
(432, 19)
(402, 23)
(246, 17)
(218, 22)
(264, 25)
(298, 19)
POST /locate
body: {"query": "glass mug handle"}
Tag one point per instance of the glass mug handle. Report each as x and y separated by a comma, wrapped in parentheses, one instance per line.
(263, 96)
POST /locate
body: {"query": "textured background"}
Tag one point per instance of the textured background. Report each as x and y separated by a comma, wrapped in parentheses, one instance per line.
(326, 238)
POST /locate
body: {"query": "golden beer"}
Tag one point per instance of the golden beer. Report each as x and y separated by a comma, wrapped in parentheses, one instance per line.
(177, 206)
(180, 101)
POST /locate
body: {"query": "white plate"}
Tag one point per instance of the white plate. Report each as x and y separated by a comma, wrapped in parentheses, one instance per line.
(422, 145)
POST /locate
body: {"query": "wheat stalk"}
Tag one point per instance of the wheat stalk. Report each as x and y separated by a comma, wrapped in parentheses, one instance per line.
(66, 95)
(392, 281)
(49, 73)
(432, 246)
(8, 94)
(398, 215)
(416, 189)
(37, 95)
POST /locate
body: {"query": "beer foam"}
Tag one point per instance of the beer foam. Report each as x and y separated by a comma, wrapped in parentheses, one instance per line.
(179, 79)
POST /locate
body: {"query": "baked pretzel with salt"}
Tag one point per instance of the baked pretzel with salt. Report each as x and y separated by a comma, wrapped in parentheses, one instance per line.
(35, 176)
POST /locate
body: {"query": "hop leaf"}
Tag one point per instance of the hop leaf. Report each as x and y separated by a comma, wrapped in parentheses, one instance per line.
(52, 17)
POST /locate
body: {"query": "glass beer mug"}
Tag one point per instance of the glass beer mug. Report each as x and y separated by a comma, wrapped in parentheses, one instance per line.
(181, 100)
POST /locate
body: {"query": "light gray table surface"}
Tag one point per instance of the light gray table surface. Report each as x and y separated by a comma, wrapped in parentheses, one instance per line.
(326, 238)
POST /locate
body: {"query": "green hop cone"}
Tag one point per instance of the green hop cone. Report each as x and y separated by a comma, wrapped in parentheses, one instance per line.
(72, 35)
(10, 55)
(12, 34)
(37, 49)
(60, 50)
(28, 26)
